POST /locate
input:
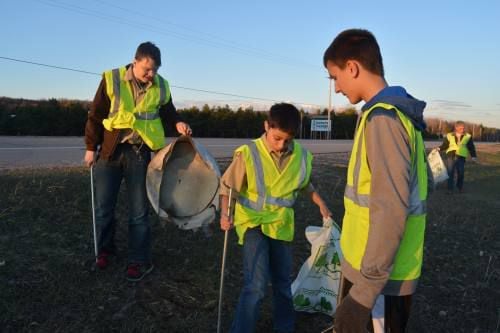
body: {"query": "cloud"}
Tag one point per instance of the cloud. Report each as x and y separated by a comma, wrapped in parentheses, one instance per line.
(235, 104)
(444, 104)
(457, 110)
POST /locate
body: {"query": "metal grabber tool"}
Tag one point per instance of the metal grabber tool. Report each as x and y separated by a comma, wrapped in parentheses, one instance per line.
(93, 209)
(224, 252)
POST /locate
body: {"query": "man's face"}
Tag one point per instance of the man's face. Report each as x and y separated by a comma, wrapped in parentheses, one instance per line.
(459, 129)
(145, 69)
(344, 81)
(276, 139)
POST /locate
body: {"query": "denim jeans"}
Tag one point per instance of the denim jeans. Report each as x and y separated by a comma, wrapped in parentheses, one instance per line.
(129, 163)
(455, 164)
(265, 259)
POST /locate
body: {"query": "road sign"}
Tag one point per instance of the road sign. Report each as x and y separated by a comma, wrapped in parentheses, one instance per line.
(320, 125)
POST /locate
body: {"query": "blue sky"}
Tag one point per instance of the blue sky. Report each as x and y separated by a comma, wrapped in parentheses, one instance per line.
(443, 52)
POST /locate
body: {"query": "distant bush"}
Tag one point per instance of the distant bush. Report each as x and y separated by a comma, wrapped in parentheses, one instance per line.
(67, 118)
(42, 117)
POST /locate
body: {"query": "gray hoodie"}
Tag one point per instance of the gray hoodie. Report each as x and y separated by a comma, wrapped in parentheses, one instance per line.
(389, 160)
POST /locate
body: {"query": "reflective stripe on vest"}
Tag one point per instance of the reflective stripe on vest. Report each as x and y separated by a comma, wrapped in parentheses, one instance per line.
(459, 148)
(416, 207)
(142, 117)
(116, 91)
(261, 189)
(147, 115)
(267, 200)
(408, 260)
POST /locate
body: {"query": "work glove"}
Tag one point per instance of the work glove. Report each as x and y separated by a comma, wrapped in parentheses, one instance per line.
(327, 222)
(351, 317)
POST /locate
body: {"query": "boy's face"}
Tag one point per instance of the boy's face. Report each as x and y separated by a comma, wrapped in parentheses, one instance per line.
(277, 139)
(345, 80)
(145, 69)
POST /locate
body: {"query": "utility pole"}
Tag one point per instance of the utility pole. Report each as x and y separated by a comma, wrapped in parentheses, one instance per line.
(301, 119)
(329, 108)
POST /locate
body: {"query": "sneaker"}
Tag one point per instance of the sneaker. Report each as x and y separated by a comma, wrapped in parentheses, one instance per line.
(136, 272)
(102, 260)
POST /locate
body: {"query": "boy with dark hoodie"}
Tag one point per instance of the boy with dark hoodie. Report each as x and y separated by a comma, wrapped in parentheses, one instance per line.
(385, 197)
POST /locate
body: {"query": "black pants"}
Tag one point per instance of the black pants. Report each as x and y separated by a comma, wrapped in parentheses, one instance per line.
(396, 311)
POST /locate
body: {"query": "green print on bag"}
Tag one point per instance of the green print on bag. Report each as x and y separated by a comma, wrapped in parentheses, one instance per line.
(315, 288)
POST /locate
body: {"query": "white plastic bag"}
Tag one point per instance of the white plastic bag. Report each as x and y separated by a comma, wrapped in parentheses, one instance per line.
(316, 286)
(436, 164)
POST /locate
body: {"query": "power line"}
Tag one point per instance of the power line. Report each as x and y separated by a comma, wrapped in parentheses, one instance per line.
(215, 38)
(212, 41)
(229, 94)
(174, 86)
(50, 66)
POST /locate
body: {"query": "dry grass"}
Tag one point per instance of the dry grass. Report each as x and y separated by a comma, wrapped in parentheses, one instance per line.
(48, 284)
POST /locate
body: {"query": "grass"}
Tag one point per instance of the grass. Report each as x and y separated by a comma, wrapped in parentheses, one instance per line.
(460, 288)
(48, 284)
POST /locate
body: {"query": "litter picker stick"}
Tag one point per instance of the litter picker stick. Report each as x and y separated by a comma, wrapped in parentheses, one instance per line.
(93, 208)
(340, 293)
(224, 251)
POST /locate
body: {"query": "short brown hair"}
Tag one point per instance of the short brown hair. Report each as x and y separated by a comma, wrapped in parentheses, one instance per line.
(355, 44)
(284, 116)
(148, 50)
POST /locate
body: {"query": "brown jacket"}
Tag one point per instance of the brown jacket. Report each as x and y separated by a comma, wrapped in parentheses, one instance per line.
(95, 133)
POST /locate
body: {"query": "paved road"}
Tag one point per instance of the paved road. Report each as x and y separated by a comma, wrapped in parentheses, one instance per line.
(29, 151)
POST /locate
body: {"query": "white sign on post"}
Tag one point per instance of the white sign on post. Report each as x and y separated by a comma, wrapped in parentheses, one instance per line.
(320, 125)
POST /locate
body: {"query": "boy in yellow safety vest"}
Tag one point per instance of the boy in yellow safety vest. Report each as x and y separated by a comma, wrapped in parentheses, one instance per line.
(458, 145)
(386, 191)
(268, 174)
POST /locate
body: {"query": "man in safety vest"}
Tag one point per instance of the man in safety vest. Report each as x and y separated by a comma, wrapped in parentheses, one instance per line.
(458, 145)
(126, 122)
(385, 197)
(268, 174)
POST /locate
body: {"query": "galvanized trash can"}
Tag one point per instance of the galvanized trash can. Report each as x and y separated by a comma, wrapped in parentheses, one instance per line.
(183, 183)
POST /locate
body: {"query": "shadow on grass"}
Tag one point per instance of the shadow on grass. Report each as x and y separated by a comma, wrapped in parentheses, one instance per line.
(48, 282)
(460, 288)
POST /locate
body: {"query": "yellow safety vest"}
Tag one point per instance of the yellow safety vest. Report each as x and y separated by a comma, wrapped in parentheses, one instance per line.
(356, 223)
(460, 148)
(270, 194)
(144, 117)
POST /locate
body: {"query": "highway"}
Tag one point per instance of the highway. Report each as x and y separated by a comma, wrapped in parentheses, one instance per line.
(31, 151)
(45, 151)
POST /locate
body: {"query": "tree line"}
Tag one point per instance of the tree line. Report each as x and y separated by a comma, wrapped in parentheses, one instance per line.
(61, 117)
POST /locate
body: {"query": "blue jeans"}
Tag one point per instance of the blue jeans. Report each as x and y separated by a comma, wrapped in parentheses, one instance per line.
(129, 163)
(265, 259)
(455, 164)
